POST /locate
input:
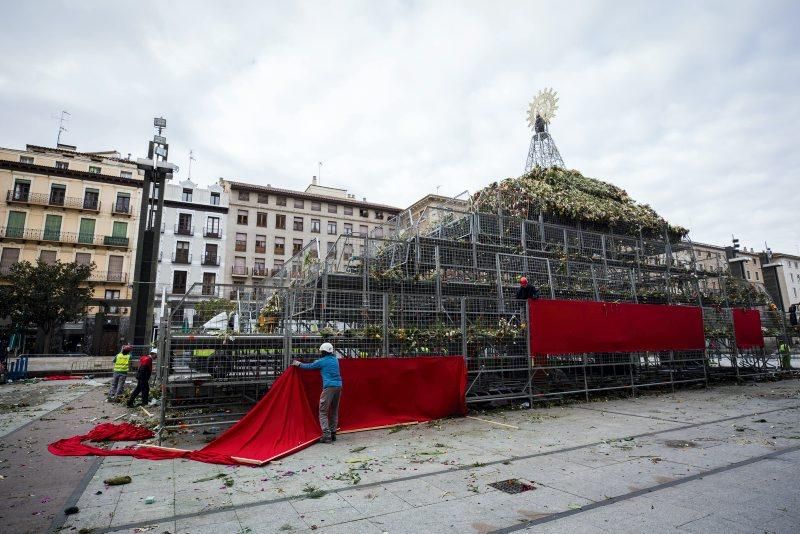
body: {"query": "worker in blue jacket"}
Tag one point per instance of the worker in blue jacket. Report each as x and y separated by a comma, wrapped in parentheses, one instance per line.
(328, 366)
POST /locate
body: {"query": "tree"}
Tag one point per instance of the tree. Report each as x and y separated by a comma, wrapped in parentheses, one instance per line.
(47, 295)
(207, 309)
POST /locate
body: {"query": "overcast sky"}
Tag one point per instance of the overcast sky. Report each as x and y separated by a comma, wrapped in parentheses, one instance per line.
(693, 109)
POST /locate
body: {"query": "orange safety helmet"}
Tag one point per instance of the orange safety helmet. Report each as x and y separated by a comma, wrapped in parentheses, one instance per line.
(523, 281)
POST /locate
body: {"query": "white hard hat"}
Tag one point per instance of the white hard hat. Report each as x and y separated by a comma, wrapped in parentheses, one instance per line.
(326, 347)
(154, 351)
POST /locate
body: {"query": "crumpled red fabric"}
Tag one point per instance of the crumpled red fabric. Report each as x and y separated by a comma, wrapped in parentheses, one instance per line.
(377, 392)
(62, 377)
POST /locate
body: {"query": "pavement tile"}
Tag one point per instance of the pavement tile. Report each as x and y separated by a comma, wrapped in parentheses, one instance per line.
(329, 501)
(362, 526)
(374, 500)
(91, 517)
(271, 518)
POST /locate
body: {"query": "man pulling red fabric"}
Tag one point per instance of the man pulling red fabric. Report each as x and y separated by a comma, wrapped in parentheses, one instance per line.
(328, 366)
(143, 378)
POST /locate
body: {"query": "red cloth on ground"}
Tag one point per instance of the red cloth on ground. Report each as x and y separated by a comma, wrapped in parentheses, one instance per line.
(747, 328)
(377, 392)
(574, 326)
(62, 377)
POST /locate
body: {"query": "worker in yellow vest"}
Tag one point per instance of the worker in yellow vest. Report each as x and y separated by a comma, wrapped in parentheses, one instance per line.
(121, 364)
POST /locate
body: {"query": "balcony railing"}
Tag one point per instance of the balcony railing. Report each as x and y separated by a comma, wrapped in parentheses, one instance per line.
(211, 232)
(121, 208)
(109, 276)
(57, 236)
(211, 259)
(259, 271)
(184, 230)
(182, 257)
(239, 270)
(43, 199)
(179, 290)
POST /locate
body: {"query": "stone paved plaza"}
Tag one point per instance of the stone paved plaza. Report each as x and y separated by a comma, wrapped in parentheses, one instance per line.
(723, 459)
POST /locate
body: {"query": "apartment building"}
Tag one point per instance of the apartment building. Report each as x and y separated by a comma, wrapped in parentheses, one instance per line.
(714, 258)
(788, 270)
(193, 232)
(268, 225)
(61, 204)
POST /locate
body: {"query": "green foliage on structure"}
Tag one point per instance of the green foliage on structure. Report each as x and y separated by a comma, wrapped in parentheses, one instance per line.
(206, 309)
(46, 296)
(570, 195)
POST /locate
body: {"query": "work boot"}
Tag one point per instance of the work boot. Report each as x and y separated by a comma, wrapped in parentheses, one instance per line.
(333, 436)
(325, 439)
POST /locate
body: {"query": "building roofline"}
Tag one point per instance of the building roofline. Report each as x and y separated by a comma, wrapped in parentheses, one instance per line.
(69, 173)
(309, 196)
(98, 154)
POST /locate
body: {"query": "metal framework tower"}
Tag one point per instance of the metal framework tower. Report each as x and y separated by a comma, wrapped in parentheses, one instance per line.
(543, 151)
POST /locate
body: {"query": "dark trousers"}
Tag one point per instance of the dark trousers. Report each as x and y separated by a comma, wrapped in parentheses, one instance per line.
(143, 387)
(329, 410)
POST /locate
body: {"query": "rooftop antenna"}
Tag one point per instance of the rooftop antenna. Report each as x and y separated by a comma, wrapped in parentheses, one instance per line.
(61, 128)
(191, 159)
(319, 172)
(437, 189)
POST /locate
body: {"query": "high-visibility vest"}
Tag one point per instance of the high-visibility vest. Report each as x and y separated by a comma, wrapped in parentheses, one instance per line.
(121, 363)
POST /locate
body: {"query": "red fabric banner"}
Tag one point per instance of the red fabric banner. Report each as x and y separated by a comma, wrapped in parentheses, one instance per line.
(574, 326)
(377, 392)
(747, 328)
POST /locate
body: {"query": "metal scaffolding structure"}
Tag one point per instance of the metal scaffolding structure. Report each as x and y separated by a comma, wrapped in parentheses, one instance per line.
(449, 289)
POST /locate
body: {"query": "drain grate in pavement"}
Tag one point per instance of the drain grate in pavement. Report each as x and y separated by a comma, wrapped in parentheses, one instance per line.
(512, 486)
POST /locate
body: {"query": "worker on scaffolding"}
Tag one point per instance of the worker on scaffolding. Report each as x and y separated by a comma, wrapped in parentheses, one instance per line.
(143, 374)
(526, 291)
(328, 366)
(121, 364)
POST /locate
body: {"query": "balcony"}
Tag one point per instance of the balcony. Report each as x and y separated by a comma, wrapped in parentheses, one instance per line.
(240, 246)
(42, 199)
(181, 229)
(211, 259)
(111, 277)
(261, 249)
(182, 257)
(57, 236)
(121, 208)
(259, 271)
(238, 270)
(212, 232)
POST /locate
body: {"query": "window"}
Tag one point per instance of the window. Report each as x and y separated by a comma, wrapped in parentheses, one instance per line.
(26, 159)
(363, 212)
(91, 199)
(363, 230)
(123, 203)
(348, 210)
(16, 224)
(9, 257)
(347, 251)
(261, 219)
(279, 246)
(86, 231)
(186, 196)
(315, 226)
(179, 282)
(239, 267)
(114, 273)
(348, 228)
(181, 252)
(277, 266)
(316, 206)
(212, 227)
(209, 281)
(94, 170)
(125, 174)
(48, 256)
(263, 198)
(299, 203)
(333, 208)
(280, 222)
(83, 258)
(22, 190)
(378, 214)
(748, 275)
(280, 201)
(210, 256)
(63, 165)
(261, 244)
(241, 217)
(297, 225)
(57, 194)
(244, 195)
(259, 269)
(297, 246)
(378, 232)
(331, 227)
(119, 230)
(184, 226)
(791, 276)
(52, 228)
(756, 275)
(241, 242)
(215, 199)
(111, 294)
(331, 248)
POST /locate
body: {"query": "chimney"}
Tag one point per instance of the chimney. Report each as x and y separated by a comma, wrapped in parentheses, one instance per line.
(313, 180)
(365, 199)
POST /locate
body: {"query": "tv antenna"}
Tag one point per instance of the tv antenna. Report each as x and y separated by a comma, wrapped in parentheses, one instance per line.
(191, 159)
(65, 115)
(319, 172)
(543, 151)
